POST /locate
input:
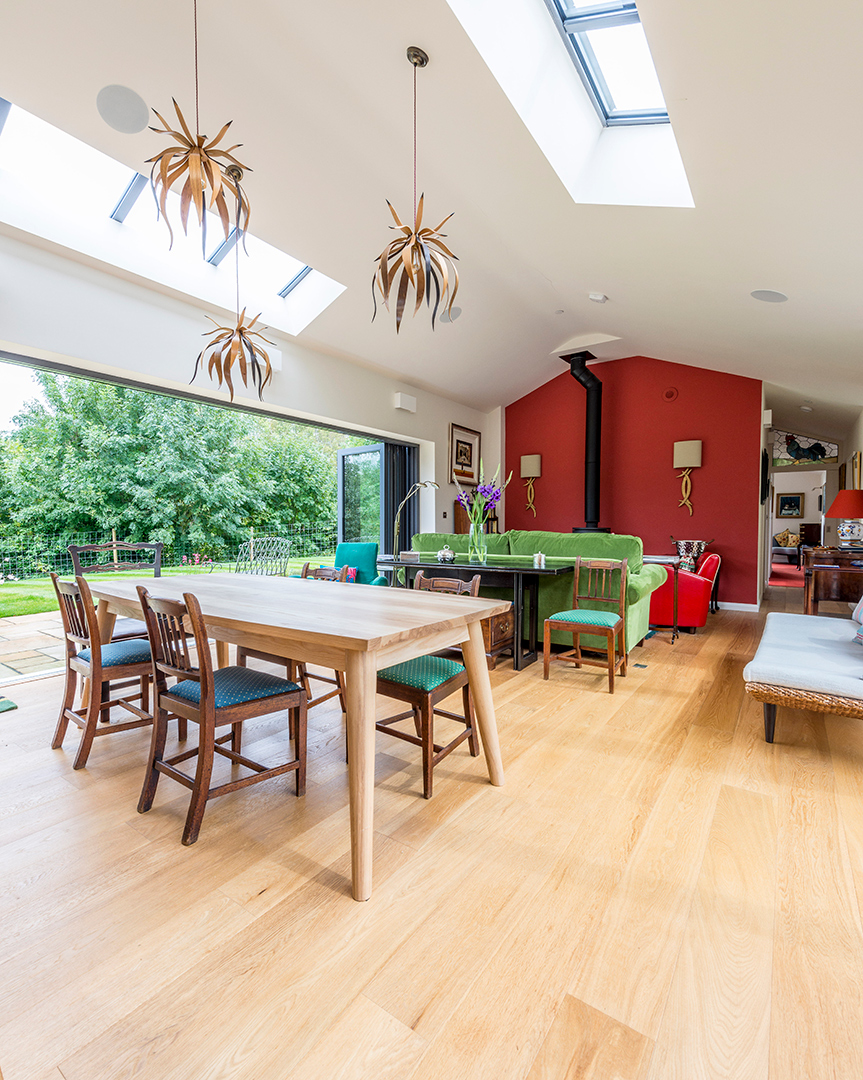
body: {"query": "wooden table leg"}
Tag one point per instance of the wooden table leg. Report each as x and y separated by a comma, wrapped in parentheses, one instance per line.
(362, 681)
(223, 654)
(106, 620)
(473, 652)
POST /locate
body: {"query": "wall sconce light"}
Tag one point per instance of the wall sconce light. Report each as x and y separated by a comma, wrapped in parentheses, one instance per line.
(531, 469)
(687, 456)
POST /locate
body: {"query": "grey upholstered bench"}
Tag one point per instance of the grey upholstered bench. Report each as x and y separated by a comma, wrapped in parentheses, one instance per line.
(806, 662)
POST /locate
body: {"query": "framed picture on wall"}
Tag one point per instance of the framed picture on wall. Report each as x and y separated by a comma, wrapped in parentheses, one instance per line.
(464, 453)
(855, 470)
(789, 506)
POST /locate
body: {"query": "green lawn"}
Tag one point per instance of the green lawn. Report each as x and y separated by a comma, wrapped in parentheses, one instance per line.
(36, 595)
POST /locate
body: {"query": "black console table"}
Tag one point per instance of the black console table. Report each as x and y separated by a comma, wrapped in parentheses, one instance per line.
(522, 579)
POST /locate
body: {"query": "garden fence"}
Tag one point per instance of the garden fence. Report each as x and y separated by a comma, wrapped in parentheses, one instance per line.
(32, 556)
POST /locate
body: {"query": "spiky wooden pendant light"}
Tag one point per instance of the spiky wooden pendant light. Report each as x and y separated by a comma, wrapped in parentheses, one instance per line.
(426, 263)
(206, 166)
(240, 344)
(210, 167)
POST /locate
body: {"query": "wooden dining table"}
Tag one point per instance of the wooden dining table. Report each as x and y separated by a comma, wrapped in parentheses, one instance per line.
(357, 629)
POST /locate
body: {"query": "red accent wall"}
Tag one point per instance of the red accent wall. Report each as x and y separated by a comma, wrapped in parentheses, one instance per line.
(640, 490)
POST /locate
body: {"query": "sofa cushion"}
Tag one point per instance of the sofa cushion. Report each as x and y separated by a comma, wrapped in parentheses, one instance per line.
(593, 545)
(857, 614)
(808, 652)
(431, 543)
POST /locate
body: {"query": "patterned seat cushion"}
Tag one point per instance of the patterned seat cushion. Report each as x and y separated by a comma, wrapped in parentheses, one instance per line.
(585, 617)
(134, 651)
(234, 685)
(424, 673)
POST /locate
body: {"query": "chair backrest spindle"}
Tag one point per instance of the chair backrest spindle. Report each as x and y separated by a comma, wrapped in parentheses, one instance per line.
(448, 585)
(595, 582)
(166, 628)
(325, 573)
(116, 549)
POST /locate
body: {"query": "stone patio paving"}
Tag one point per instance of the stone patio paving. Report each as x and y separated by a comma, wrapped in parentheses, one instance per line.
(30, 645)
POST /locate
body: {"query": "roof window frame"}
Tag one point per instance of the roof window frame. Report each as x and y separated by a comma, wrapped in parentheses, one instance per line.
(573, 29)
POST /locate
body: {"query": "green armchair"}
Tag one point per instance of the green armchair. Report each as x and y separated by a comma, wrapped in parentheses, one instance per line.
(365, 558)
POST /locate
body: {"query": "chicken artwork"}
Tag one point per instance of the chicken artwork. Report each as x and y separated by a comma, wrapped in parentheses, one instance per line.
(789, 449)
(816, 452)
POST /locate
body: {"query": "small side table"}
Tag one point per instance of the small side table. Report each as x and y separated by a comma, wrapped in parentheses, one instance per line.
(674, 562)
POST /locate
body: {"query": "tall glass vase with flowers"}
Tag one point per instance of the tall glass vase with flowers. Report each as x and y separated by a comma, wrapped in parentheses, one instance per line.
(478, 504)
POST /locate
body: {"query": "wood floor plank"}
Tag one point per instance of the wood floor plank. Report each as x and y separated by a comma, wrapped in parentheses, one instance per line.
(817, 987)
(716, 1023)
(365, 1041)
(99, 995)
(584, 1044)
(629, 969)
(537, 956)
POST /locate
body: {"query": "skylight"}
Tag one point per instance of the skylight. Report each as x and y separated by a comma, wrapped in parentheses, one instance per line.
(607, 43)
(55, 186)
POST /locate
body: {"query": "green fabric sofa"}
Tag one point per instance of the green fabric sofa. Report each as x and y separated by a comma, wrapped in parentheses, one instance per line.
(555, 593)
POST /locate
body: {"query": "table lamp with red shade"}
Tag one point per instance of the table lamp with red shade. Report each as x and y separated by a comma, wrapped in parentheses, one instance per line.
(847, 505)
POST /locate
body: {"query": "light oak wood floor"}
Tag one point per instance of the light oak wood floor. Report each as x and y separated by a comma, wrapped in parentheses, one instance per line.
(656, 893)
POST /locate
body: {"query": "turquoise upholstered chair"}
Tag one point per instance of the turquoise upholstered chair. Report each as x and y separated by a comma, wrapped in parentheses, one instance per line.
(365, 558)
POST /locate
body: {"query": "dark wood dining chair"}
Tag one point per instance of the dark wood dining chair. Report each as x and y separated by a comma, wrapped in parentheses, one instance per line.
(296, 669)
(211, 699)
(110, 667)
(111, 558)
(596, 581)
(422, 684)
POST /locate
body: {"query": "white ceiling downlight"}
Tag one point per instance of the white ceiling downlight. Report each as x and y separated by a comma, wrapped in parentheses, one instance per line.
(769, 296)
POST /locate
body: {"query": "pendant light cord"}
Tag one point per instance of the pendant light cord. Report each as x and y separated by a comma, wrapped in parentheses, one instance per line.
(237, 250)
(197, 115)
(415, 144)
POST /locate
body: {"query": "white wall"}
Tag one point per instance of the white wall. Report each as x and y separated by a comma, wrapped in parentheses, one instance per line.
(796, 479)
(67, 311)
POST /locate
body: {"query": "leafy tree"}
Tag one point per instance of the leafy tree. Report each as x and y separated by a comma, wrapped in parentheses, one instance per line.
(95, 457)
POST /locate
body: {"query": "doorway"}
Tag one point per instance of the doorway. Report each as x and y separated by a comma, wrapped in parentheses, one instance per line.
(372, 481)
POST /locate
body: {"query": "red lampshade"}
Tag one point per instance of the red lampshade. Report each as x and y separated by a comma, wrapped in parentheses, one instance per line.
(847, 504)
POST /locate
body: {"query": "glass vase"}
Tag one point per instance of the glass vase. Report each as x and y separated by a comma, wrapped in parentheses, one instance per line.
(477, 548)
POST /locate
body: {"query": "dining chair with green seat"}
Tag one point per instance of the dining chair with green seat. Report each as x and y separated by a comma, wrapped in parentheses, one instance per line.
(596, 581)
(423, 683)
(211, 699)
(296, 670)
(110, 667)
(364, 558)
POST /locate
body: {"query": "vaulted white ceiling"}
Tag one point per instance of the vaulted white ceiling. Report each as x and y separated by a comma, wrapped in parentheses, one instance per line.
(764, 101)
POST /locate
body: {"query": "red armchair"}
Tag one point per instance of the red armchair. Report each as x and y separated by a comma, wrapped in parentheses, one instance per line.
(693, 595)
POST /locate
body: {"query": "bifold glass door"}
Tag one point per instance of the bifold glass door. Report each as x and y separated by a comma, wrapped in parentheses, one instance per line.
(360, 494)
(373, 480)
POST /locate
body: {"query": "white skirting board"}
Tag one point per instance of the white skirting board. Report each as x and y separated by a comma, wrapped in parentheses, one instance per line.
(739, 607)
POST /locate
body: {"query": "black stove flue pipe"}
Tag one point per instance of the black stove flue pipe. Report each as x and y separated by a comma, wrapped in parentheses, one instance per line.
(592, 434)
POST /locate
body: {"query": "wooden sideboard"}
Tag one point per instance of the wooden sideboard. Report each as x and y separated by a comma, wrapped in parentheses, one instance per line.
(831, 574)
